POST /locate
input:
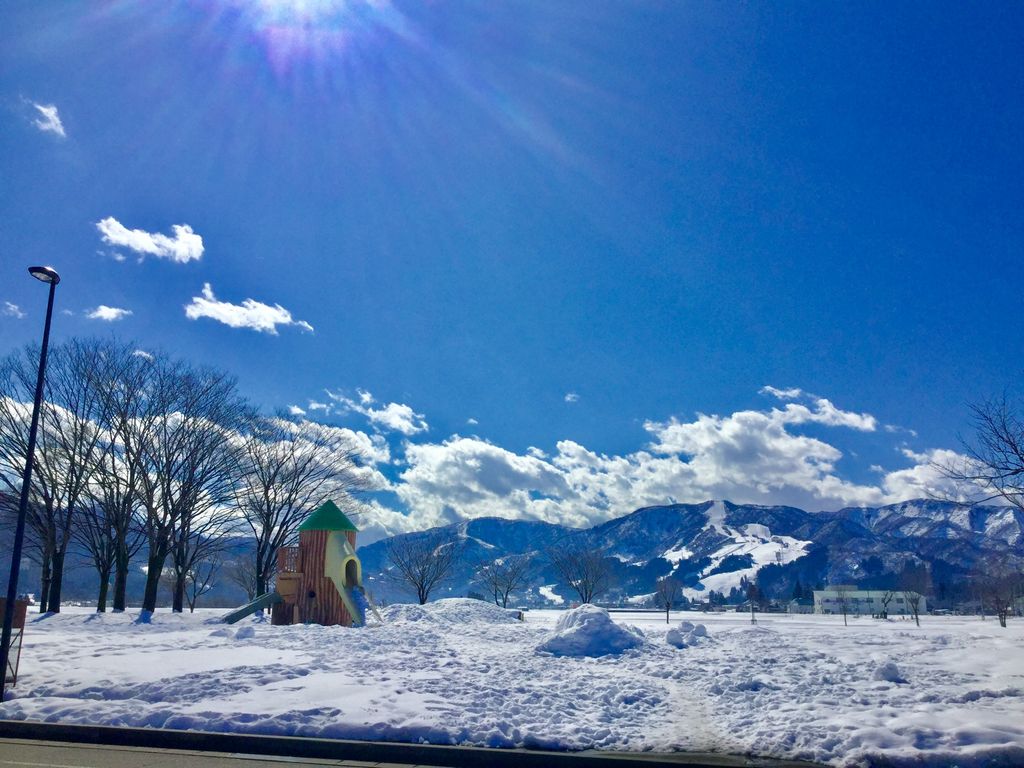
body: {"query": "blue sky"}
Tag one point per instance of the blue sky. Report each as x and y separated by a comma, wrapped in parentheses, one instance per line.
(478, 209)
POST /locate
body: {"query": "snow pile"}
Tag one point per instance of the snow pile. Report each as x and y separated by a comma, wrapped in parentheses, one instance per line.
(888, 672)
(406, 613)
(455, 610)
(589, 631)
(686, 634)
(463, 610)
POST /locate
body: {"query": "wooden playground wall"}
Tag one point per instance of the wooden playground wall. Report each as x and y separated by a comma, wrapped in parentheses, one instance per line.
(326, 607)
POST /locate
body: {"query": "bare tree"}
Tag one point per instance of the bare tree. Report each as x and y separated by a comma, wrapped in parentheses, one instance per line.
(503, 576)
(994, 462)
(200, 580)
(843, 600)
(69, 448)
(420, 562)
(887, 597)
(582, 567)
(753, 595)
(1000, 584)
(288, 468)
(125, 380)
(95, 536)
(915, 582)
(243, 573)
(190, 449)
(668, 591)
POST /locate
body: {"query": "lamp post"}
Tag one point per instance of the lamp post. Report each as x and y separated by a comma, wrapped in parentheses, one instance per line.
(46, 275)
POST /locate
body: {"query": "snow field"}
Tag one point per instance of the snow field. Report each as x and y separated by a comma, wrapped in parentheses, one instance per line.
(461, 671)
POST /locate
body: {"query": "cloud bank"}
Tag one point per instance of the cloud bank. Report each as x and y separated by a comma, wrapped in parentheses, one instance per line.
(748, 456)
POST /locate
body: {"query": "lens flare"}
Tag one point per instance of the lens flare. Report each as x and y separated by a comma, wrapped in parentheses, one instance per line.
(317, 32)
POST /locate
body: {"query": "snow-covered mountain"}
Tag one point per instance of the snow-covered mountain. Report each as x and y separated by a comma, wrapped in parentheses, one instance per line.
(714, 545)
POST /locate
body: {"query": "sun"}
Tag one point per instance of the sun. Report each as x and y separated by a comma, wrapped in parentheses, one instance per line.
(317, 32)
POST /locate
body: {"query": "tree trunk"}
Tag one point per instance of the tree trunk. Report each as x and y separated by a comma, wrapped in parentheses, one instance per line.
(155, 568)
(120, 581)
(261, 584)
(44, 583)
(101, 600)
(178, 600)
(56, 582)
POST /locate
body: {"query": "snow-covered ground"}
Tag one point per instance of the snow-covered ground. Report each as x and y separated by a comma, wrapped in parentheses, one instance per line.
(465, 672)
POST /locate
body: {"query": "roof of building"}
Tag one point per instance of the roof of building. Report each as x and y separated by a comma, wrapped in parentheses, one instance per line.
(328, 517)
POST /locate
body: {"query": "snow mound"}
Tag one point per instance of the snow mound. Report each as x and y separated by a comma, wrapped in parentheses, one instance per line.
(462, 610)
(405, 613)
(888, 672)
(455, 610)
(686, 634)
(589, 631)
(245, 633)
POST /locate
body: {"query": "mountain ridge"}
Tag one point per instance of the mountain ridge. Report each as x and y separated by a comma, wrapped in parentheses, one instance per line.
(715, 545)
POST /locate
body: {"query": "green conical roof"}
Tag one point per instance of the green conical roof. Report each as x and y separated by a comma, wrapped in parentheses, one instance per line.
(328, 518)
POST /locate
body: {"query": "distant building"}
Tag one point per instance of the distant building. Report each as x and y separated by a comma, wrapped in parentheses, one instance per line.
(801, 605)
(866, 602)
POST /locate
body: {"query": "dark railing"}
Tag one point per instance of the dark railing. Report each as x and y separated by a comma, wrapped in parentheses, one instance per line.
(288, 560)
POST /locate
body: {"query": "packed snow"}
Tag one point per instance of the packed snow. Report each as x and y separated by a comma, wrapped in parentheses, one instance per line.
(459, 671)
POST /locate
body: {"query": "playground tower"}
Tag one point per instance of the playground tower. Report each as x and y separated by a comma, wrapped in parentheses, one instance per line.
(320, 581)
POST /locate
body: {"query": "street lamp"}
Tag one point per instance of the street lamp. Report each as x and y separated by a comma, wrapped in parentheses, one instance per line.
(46, 275)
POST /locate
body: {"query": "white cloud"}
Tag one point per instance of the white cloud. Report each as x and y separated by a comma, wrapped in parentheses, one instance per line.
(294, 410)
(315, 406)
(396, 417)
(791, 393)
(48, 120)
(183, 247)
(472, 422)
(143, 354)
(468, 477)
(925, 479)
(109, 314)
(13, 310)
(571, 397)
(251, 314)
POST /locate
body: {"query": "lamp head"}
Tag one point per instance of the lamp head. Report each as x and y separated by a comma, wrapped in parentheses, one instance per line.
(45, 274)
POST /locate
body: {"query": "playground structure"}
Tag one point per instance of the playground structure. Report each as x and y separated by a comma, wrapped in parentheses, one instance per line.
(321, 580)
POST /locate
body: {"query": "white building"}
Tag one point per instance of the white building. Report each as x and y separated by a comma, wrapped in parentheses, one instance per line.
(867, 602)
